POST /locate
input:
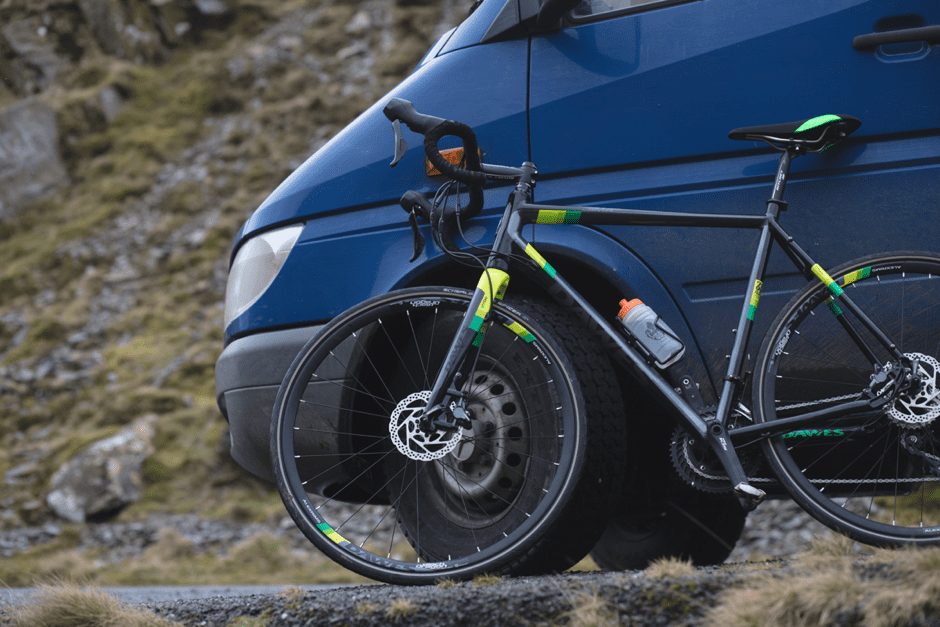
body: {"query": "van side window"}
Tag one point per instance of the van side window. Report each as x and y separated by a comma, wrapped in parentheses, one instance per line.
(593, 8)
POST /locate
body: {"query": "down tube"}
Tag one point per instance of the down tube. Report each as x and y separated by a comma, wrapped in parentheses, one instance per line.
(691, 417)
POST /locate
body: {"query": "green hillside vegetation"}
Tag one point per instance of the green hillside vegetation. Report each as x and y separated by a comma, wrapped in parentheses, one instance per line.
(115, 283)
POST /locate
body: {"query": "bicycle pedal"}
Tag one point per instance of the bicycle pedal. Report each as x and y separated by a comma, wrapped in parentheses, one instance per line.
(749, 496)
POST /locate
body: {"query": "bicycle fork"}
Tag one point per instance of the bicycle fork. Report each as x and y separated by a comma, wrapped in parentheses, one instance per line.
(490, 288)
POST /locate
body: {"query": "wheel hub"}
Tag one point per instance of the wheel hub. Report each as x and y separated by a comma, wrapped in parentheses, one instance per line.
(410, 439)
(487, 464)
(919, 405)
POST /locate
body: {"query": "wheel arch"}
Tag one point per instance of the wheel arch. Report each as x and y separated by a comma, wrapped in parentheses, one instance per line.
(603, 271)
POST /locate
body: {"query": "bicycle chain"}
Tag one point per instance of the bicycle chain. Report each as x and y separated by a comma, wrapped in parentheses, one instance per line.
(698, 476)
(820, 401)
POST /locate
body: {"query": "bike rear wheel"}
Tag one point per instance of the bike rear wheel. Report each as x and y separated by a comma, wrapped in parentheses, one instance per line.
(383, 498)
(874, 475)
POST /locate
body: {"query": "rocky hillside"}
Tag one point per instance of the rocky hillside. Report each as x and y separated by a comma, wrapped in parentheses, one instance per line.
(135, 137)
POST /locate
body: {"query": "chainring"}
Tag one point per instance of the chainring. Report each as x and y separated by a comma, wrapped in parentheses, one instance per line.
(698, 466)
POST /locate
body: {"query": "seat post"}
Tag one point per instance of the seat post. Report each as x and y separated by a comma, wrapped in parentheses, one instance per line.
(776, 204)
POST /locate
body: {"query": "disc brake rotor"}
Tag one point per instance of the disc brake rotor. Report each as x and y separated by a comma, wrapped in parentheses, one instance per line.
(920, 405)
(410, 439)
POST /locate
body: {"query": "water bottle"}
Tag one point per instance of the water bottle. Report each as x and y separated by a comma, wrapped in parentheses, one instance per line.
(653, 336)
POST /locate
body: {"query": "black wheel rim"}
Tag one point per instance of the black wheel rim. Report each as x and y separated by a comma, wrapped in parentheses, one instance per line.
(857, 470)
(508, 478)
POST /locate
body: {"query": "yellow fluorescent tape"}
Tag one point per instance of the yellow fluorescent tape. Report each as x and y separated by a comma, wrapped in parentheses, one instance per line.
(821, 274)
(531, 252)
(495, 280)
(755, 294)
(335, 537)
(551, 216)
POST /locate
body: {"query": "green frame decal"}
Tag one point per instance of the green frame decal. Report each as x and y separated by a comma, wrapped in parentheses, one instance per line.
(834, 306)
(558, 216)
(804, 434)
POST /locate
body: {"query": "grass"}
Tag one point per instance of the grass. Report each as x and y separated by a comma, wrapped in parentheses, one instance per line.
(400, 608)
(589, 609)
(157, 353)
(70, 605)
(486, 580)
(174, 560)
(669, 568)
(822, 589)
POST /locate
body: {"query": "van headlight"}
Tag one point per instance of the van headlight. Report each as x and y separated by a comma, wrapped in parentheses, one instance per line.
(256, 264)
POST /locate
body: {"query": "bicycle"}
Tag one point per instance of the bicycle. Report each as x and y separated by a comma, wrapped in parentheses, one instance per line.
(436, 432)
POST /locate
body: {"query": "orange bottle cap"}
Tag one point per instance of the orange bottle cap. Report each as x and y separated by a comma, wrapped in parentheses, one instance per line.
(626, 306)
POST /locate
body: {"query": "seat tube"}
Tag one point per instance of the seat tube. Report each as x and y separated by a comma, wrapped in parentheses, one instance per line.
(733, 377)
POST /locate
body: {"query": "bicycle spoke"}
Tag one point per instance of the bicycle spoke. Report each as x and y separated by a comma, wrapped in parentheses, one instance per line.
(880, 484)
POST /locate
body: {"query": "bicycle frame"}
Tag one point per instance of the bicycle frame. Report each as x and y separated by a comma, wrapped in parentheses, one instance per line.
(519, 212)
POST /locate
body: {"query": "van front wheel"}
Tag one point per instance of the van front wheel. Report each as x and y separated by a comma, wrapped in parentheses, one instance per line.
(524, 490)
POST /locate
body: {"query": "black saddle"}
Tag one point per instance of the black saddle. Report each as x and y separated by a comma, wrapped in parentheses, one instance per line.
(812, 135)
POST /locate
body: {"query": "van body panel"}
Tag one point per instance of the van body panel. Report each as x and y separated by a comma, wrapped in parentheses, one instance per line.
(313, 286)
(670, 82)
(351, 171)
(634, 111)
(626, 110)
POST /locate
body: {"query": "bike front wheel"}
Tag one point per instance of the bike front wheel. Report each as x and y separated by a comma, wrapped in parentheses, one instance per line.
(383, 497)
(873, 475)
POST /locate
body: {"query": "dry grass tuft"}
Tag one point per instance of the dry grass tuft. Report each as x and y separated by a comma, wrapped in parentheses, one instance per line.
(400, 608)
(292, 596)
(833, 589)
(589, 609)
(69, 605)
(486, 580)
(669, 567)
(367, 607)
(249, 621)
(445, 584)
(172, 545)
(835, 546)
(587, 564)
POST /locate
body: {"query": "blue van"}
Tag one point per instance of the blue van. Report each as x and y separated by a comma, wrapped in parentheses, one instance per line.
(620, 103)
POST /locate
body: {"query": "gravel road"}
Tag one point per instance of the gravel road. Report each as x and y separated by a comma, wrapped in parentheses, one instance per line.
(624, 598)
(156, 595)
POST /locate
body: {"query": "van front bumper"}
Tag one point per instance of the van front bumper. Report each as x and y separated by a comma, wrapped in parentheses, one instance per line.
(247, 376)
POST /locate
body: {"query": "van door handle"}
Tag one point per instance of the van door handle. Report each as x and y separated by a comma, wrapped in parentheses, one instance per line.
(930, 34)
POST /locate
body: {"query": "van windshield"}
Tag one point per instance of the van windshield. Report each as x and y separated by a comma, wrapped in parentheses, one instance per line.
(588, 8)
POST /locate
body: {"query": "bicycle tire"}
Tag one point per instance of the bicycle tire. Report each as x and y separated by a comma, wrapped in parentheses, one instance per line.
(545, 495)
(807, 360)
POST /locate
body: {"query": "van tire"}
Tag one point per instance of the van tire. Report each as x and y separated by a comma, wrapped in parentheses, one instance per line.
(601, 486)
(692, 526)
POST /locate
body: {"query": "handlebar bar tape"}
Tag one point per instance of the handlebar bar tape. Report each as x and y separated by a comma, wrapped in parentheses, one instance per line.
(399, 109)
(434, 129)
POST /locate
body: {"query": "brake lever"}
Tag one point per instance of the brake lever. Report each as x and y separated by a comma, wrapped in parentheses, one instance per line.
(417, 238)
(400, 146)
